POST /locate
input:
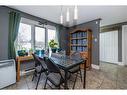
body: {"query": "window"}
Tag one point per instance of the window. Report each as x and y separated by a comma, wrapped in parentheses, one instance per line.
(24, 37)
(39, 38)
(33, 36)
(51, 34)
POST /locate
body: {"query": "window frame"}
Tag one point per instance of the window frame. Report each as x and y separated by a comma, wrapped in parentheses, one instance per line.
(32, 41)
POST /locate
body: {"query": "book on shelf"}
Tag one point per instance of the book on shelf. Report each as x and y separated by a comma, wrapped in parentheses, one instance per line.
(74, 35)
(84, 41)
(73, 42)
(74, 48)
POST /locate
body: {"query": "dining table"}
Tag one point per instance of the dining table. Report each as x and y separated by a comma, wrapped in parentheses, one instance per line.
(66, 63)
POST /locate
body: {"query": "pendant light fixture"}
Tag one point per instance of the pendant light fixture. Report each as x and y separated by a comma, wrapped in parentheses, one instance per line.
(61, 16)
(75, 13)
(68, 15)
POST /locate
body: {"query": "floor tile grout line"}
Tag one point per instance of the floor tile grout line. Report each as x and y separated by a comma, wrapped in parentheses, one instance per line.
(101, 82)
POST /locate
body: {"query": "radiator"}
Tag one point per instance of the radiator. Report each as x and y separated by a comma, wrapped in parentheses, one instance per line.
(7, 73)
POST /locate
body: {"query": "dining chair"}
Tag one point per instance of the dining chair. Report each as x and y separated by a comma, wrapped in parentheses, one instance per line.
(40, 67)
(54, 74)
(76, 70)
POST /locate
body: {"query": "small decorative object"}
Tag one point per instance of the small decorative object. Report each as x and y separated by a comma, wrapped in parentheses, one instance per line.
(42, 52)
(37, 52)
(59, 49)
(53, 45)
(26, 54)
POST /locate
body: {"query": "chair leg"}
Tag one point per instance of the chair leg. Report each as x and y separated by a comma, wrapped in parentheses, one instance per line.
(33, 76)
(75, 81)
(81, 75)
(38, 80)
(45, 83)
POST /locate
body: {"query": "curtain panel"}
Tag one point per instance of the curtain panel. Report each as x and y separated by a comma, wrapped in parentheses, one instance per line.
(14, 21)
(58, 28)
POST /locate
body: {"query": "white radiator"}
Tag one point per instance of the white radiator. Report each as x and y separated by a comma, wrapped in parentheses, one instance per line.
(7, 73)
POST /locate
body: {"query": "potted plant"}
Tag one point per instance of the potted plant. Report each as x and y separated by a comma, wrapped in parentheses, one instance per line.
(22, 52)
(53, 45)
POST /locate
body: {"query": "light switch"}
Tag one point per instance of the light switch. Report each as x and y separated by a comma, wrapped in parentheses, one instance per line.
(96, 22)
(95, 39)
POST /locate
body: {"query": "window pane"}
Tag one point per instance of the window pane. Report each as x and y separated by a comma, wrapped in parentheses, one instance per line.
(24, 32)
(24, 37)
(51, 34)
(26, 45)
(39, 38)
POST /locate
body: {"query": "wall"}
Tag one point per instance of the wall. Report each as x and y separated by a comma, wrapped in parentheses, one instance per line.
(3, 34)
(120, 44)
(95, 27)
(4, 21)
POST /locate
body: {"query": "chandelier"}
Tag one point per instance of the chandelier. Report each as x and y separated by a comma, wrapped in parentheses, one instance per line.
(75, 15)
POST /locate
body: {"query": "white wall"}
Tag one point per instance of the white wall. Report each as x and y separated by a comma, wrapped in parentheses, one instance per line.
(109, 46)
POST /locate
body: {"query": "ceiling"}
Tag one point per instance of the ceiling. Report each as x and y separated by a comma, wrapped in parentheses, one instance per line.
(108, 14)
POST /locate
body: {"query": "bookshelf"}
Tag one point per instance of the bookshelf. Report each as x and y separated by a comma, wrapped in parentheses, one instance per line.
(81, 41)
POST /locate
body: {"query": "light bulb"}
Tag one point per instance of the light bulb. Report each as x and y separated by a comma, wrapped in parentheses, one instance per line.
(75, 13)
(61, 19)
(68, 15)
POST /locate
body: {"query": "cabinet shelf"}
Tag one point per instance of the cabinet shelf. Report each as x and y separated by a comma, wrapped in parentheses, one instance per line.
(78, 45)
(78, 38)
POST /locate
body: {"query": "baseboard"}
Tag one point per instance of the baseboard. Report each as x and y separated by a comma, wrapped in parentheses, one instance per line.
(95, 66)
(121, 64)
(116, 63)
(22, 73)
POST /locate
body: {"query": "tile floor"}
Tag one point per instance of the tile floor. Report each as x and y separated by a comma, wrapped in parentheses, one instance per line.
(109, 76)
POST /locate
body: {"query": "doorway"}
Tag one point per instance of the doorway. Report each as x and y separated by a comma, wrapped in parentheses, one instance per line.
(109, 46)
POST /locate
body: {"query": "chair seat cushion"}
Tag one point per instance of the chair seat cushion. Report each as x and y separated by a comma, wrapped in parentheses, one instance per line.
(38, 69)
(55, 78)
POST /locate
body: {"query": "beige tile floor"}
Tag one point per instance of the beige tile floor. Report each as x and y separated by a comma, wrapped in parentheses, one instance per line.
(109, 76)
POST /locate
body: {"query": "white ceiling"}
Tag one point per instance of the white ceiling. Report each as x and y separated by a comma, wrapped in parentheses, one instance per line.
(108, 14)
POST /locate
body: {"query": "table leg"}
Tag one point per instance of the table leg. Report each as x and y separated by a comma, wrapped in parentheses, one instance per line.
(84, 84)
(65, 80)
(18, 71)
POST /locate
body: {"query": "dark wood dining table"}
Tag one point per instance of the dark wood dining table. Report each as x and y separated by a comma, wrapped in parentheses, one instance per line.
(66, 63)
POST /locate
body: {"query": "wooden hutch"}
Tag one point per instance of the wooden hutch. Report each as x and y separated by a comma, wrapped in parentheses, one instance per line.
(81, 41)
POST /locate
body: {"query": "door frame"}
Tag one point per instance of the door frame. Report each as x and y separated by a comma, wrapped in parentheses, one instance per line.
(123, 45)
